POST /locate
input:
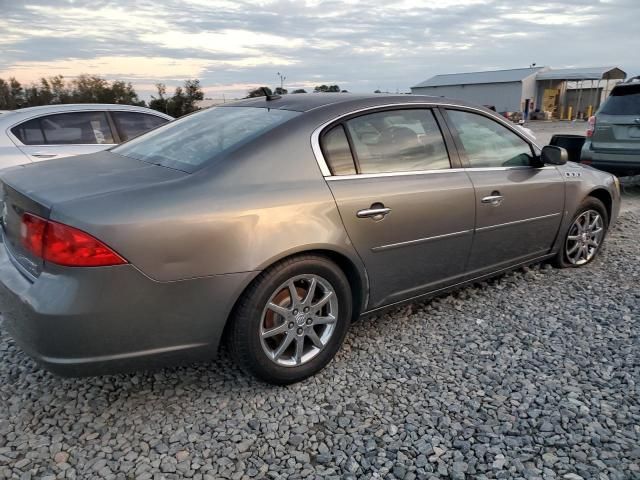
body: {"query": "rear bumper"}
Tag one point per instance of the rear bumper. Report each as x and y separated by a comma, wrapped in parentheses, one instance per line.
(616, 163)
(89, 321)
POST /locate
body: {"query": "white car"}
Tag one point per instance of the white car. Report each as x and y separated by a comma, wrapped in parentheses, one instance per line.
(55, 131)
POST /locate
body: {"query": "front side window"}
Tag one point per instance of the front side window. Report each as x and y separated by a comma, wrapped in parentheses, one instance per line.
(398, 141)
(489, 144)
(132, 124)
(80, 128)
(194, 140)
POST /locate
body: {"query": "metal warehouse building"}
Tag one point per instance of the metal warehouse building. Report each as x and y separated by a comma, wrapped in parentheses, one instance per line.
(565, 93)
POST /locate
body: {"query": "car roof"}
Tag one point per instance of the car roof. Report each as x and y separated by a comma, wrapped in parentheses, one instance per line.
(304, 102)
(30, 112)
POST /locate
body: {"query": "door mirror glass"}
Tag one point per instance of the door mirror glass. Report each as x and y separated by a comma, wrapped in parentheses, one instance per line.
(553, 155)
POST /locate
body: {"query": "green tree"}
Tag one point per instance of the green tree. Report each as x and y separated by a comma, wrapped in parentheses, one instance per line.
(192, 93)
(160, 102)
(90, 89)
(280, 91)
(11, 94)
(299, 90)
(5, 94)
(183, 101)
(83, 89)
(17, 92)
(259, 92)
(59, 90)
(326, 89)
(121, 92)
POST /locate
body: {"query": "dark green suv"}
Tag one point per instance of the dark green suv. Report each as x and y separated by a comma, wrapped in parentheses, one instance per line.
(613, 137)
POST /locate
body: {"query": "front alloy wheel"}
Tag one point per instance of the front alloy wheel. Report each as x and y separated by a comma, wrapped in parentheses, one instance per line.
(584, 238)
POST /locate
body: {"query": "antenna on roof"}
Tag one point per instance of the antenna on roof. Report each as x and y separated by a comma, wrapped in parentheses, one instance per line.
(270, 96)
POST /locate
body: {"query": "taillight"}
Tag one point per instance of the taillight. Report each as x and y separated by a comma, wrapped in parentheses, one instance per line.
(591, 126)
(59, 243)
(32, 233)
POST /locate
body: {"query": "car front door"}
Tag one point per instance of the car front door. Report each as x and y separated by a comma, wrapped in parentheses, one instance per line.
(409, 215)
(64, 134)
(519, 203)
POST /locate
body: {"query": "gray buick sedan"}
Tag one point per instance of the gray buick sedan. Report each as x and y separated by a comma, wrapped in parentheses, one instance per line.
(272, 223)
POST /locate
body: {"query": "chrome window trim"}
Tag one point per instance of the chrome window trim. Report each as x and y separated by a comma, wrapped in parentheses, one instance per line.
(326, 171)
(356, 176)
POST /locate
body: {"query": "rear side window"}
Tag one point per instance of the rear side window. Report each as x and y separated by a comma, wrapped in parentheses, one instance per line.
(29, 133)
(194, 140)
(80, 128)
(623, 101)
(335, 147)
(398, 141)
(132, 124)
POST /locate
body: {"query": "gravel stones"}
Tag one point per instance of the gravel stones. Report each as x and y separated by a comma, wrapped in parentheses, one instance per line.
(535, 374)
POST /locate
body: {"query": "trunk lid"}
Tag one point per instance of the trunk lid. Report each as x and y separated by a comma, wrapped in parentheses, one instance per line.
(37, 188)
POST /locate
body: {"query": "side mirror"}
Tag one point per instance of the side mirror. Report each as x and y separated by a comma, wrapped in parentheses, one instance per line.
(553, 155)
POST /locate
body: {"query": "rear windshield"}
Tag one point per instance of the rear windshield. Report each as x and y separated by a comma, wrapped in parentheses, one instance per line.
(190, 142)
(623, 101)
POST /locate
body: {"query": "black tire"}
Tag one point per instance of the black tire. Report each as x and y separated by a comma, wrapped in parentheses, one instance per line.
(244, 337)
(590, 203)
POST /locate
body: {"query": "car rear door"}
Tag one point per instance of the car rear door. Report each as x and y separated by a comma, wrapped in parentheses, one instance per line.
(617, 128)
(519, 203)
(64, 134)
(409, 214)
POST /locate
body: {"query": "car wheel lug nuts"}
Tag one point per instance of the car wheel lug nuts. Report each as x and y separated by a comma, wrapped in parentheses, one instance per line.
(300, 331)
(291, 325)
(309, 321)
(295, 312)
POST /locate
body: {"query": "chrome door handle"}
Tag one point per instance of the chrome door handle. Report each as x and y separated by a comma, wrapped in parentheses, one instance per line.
(373, 212)
(44, 155)
(493, 200)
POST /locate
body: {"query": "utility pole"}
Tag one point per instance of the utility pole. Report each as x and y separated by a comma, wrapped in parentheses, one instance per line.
(282, 79)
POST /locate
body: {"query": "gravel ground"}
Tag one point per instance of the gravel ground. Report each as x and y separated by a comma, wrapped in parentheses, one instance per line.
(535, 374)
(544, 130)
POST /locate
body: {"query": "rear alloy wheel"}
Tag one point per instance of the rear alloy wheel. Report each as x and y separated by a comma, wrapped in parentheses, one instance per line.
(292, 320)
(299, 320)
(585, 235)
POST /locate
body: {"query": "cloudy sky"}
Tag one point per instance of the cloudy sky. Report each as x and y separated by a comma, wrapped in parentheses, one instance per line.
(233, 45)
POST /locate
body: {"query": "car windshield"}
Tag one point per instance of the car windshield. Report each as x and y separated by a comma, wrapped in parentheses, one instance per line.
(623, 101)
(190, 142)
